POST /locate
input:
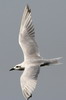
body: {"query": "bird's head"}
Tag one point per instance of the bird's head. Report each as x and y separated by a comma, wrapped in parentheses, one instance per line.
(17, 67)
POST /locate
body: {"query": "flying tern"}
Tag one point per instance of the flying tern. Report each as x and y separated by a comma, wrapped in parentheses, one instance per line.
(32, 59)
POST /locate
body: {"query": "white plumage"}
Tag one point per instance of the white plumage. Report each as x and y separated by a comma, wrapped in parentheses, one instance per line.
(28, 80)
(27, 35)
(32, 59)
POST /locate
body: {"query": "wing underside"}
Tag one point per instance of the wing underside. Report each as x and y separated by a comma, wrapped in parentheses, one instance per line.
(29, 80)
(27, 35)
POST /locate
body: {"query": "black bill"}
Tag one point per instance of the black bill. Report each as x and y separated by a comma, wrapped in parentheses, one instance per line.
(11, 69)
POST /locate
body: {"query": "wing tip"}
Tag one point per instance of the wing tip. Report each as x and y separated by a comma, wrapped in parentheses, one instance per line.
(28, 8)
(26, 94)
(29, 97)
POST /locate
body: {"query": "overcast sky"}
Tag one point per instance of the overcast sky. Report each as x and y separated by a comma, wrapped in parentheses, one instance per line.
(49, 19)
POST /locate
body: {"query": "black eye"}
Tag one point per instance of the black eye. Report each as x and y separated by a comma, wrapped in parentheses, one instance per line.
(17, 66)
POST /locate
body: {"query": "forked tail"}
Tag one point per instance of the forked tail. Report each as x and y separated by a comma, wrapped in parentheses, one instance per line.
(54, 61)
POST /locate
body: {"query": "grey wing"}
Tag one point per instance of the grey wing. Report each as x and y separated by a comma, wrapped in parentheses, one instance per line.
(28, 80)
(27, 35)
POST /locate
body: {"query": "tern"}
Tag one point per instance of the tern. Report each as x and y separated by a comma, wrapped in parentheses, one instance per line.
(32, 59)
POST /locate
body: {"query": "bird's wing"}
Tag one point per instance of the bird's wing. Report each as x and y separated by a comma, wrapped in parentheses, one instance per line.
(28, 80)
(27, 35)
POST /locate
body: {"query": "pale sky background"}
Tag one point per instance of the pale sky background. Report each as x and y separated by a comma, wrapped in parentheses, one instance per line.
(49, 19)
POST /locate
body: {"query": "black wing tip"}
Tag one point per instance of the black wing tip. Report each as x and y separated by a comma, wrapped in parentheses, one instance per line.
(29, 10)
(29, 97)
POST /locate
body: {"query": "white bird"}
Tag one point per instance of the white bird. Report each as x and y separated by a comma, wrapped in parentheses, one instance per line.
(32, 59)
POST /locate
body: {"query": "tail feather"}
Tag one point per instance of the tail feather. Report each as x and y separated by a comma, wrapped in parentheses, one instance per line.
(54, 61)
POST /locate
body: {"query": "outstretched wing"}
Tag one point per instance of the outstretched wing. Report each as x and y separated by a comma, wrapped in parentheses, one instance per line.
(28, 80)
(27, 35)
